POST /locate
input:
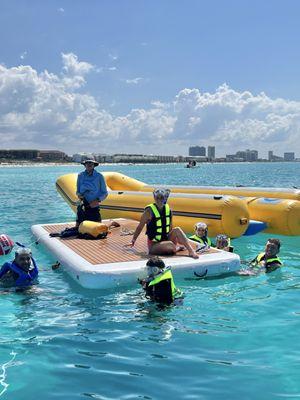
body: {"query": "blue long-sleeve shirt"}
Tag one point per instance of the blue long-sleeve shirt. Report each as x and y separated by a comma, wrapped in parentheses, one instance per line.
(91, 187)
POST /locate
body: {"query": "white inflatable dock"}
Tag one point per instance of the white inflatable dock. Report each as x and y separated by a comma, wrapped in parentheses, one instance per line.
(108, 263)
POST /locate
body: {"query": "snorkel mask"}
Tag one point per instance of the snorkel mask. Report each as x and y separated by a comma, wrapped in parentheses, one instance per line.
(161, 194)
(201, 225)
(222, 241)
(23, 251)
(155, 266)
(153, 271)
(23, 258)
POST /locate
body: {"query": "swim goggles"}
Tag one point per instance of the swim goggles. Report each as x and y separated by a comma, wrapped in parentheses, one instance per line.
(162, 193)
(200, 225)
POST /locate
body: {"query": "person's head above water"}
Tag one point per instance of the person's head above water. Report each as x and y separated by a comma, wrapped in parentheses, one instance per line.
(201, 229)
(23, 258)
(161, 195)
(155, 265)
(222, 241)
(272, 247)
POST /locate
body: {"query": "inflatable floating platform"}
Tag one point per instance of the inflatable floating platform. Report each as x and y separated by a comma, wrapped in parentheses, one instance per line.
(108, 263)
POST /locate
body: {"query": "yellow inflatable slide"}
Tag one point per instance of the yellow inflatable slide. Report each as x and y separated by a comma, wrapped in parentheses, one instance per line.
(279, 208)
(223, 214)
(225, 209)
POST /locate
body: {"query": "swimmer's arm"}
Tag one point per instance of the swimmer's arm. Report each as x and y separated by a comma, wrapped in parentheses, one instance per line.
(144, 219)
(246, 272)
(245, 262)
(34, 265)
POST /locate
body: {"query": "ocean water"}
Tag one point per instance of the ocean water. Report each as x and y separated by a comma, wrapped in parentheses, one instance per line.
(233, 338)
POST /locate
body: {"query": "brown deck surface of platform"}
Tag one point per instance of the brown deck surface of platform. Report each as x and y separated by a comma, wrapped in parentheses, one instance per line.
(109, 250)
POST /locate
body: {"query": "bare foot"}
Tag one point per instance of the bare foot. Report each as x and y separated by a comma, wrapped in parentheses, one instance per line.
(193, 254)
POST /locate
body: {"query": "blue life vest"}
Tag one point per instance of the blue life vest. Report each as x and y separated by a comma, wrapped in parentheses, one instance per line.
(24, 278)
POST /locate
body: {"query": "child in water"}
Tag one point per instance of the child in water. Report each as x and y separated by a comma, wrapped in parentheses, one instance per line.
(200, 235)
(159, 284)
(223, 243)
(266, 261)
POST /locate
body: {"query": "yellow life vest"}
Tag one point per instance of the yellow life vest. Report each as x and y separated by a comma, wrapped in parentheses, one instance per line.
(167, 275)
(256, 263)
(200, 240)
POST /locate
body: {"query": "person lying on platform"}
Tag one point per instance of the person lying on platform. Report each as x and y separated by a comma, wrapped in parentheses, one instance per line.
(159, 284)
(163, 239)
(266, 261)
(223, 243)
(21, 272)
(91, 190)
(200, 235)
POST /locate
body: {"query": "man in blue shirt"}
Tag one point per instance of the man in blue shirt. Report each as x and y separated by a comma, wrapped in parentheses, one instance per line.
(91, 190)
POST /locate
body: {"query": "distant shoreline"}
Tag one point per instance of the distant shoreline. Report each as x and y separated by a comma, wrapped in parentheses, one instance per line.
(36, 164)
(29, 164)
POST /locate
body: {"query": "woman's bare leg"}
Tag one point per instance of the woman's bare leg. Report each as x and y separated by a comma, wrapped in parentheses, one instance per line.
(165, 248)
(178, 236)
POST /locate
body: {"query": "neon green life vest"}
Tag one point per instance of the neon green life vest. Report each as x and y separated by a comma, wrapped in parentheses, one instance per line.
(198, 239)
(269, 262)
(167, 275)
(155, 230)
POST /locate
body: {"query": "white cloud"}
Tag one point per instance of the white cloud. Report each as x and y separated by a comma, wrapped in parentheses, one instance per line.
(233, 119)
(113, 57)
(133, 81)
(99, 70)
(159, 104)
(47, 110)
(61, 10)
(72, 66)
(112, 68)
(23, 55)
(74, 70)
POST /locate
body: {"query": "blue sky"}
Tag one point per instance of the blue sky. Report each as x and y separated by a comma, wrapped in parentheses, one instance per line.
(142, 52)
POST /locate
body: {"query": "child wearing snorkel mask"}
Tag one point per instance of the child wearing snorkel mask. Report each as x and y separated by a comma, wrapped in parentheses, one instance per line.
(159, 284)
(223, 243)
(200, 235)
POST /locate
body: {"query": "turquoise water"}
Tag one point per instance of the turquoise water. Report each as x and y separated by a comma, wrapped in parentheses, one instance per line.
(235, 337)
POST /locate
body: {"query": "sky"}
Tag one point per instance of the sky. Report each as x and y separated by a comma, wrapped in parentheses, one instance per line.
(151, 77)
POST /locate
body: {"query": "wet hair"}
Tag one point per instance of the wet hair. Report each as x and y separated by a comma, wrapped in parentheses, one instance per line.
(276, 242)
(156, 262)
